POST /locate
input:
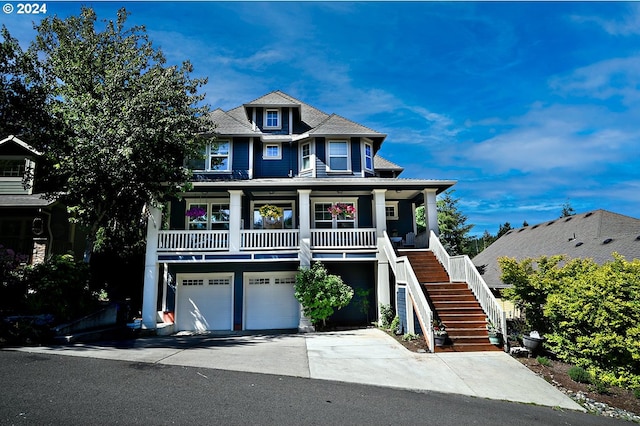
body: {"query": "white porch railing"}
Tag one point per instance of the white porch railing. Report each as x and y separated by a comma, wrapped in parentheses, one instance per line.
(271, 239)
(193, 240)
(343, 238)
(404, 273)
(461, 269)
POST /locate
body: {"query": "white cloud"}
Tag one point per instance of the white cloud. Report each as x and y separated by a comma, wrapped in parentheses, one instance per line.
(629, 24)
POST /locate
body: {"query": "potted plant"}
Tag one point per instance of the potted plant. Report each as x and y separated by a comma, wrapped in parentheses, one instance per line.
(271, 215)
(495, 333)
(342, 211)
(532, 340)
(439, 333)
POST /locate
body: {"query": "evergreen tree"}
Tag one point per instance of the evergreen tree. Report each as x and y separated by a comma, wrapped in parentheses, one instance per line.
(452, 224)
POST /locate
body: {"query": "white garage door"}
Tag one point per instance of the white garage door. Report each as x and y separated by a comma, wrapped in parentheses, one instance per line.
(269, 301)
(204, 302)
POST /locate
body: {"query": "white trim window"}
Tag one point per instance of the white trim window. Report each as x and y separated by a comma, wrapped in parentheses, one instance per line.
(272, 151)
(13, 167)
(323, 219)
(207, 214)
(272, 118)
(306, 156)
(216, 158)
(391, 210)
(287, 221)
(338, 158)
(368, 157)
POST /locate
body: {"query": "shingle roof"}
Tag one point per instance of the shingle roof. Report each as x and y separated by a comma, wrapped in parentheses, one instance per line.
(25, 200)
(23, 145)
(380, 163)
(235, 121)
(596, 235)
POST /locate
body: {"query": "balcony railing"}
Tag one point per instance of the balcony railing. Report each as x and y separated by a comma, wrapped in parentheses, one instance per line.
(286, 239)
(343, 238)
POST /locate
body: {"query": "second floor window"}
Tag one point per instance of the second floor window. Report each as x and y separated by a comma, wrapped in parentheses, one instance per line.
(272, 152)
(12, 168)
(216, 158)
(306, 156)
(338, 155)
(368, 157)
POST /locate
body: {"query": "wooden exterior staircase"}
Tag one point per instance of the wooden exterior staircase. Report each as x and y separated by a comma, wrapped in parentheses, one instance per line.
(453, 303)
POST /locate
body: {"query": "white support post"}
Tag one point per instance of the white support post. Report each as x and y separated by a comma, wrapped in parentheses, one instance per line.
(235, 219)
(384, 296)
(150, 293)
(431, 211)
(304, 325)
(411, 327)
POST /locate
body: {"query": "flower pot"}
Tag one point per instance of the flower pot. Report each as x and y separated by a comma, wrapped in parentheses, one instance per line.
(168, 317)
(532, 343)
(440, 340)
(495, 339)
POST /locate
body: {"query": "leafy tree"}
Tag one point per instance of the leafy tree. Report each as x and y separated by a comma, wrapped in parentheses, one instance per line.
(320, 293)
(452, 224)
(129, 122)
(567, 210)
(525, 223)
(22, 95)
(503, 229)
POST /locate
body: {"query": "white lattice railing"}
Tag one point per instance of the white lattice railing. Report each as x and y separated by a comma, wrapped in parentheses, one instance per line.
(343, 238)
(271, 239)
(193, 240)
(404, 273)
(461, 269)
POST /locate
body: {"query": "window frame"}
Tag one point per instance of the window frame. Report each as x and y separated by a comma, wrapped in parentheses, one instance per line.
(310, 156)
(265, 151)
(393, 205)
(278, 125)
(335, 222)
(366, 157)
(209, 154)
(347, 156)
(284, 204)
(208, 224)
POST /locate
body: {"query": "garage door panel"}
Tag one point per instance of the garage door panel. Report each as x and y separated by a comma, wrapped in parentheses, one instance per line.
(270, 301)
(204, 303)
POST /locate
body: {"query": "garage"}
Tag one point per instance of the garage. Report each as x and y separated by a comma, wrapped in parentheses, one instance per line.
(269, 301)
(204, 301)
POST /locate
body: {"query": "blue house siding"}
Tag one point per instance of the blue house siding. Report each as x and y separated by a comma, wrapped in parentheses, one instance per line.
(356, 156)
(240, 158)
(274, 168)
(284, 117)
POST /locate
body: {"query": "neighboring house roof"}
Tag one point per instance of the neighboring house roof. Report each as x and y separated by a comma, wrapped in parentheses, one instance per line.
(25, 200)
(596, 235)
(29, 150)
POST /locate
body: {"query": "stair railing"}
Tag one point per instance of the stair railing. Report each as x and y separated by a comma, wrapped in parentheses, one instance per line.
(416, 300)
(462, 269)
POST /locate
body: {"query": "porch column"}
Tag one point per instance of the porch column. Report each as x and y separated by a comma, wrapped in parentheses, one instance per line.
(150, 292)
(384, 296)
(235, 219)
(304, 324)
(305, 226)
(431, 211)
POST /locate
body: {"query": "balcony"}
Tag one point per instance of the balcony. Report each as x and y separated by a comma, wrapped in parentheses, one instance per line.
(256, 240)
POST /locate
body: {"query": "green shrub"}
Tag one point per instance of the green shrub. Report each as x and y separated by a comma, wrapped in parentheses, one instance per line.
(409, 337)
(320, 293)
(543, 360)
(579, 374)
(599, 386)
(395, 325)
(636, 393)
(386, 315)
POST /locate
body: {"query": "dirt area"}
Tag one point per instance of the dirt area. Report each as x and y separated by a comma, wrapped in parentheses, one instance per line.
(556, 374)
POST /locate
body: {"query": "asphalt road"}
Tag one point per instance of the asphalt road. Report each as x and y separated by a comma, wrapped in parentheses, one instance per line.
(38, 389)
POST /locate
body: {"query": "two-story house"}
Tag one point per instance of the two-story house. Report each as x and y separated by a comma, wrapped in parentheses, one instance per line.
(282, 185)
(30, 223)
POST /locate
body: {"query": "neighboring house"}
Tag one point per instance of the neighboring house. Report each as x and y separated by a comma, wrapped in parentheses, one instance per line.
(30, 224)
(595, 235)
(217, 263)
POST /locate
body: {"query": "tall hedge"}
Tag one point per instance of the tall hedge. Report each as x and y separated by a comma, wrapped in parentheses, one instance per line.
(591, 312)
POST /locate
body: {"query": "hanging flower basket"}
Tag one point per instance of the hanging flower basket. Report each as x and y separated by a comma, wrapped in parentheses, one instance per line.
(270, 211)
(342, 211)
(195, 212)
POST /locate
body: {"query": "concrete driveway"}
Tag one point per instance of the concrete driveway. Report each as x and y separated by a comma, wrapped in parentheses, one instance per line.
(365, 356)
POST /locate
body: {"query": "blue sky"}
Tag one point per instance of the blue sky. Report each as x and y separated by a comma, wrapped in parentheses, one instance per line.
(527, 105)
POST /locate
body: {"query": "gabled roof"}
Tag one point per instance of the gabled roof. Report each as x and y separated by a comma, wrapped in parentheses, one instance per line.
(312, 120)
(28, 149)
(596, 235)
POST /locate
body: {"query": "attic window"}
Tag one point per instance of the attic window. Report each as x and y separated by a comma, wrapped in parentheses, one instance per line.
(579, 243)
(607, 241)
(272, 119)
